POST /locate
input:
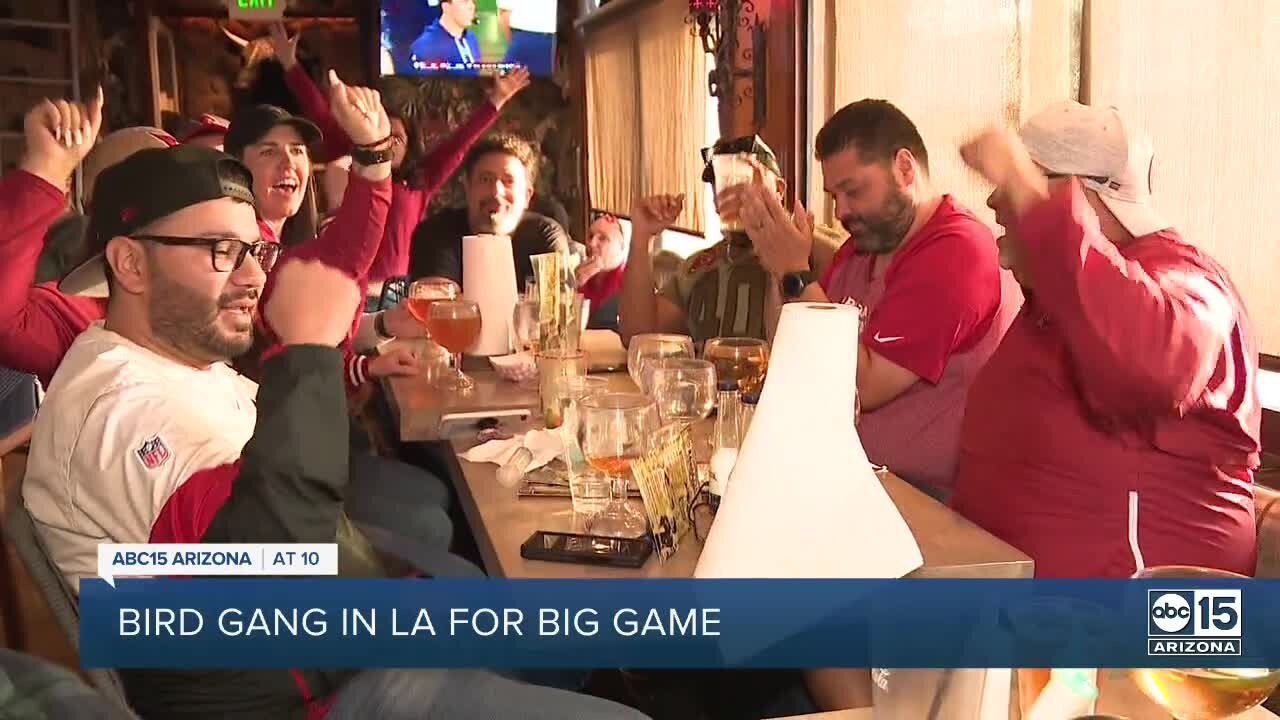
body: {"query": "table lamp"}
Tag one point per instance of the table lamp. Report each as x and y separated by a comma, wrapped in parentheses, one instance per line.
(803, 501)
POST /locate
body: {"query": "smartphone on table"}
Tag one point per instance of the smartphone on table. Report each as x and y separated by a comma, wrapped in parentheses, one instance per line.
(587, 549)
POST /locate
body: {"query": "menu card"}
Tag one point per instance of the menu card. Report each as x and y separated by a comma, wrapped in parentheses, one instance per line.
(668, 479)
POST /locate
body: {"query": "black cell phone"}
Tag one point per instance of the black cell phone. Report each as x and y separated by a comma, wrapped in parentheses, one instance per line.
(587, 549)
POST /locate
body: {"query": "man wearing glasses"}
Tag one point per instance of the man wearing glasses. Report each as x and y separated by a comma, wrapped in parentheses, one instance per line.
(147, 435)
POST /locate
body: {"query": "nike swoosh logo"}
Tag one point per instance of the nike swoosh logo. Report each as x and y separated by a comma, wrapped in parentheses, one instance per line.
(877, 338)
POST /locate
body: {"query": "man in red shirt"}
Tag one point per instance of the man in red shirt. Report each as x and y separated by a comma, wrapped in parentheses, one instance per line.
(1129, 380)
(922, 266)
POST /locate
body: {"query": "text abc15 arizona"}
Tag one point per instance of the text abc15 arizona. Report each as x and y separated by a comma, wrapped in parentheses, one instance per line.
(1193, 622)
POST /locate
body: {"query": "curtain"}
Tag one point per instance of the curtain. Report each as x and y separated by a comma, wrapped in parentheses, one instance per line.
(613, 126)
(1199, 77)
(647, 108)
(952, 67)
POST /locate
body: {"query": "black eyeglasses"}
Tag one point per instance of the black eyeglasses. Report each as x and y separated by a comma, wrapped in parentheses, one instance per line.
(227, 254)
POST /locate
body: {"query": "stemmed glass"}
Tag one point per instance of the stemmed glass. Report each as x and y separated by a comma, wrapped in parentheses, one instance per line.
(525, 324)
(684, 389)
(739, 358)
(422, 293)
(653, 346)
(613, 429)
(1203, 693)
(455, 324)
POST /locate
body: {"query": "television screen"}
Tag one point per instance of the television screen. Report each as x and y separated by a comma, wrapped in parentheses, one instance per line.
(467, 37)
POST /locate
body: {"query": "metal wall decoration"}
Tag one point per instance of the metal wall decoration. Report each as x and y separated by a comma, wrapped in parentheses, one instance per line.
(718, 23)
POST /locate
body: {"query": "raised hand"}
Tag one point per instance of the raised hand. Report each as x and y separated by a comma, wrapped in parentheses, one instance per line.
(358, 111)
(310, 303)
(506, 86)
(285, 47)
(783, 240)
(999, 156)
(59, 133)
(651, 215)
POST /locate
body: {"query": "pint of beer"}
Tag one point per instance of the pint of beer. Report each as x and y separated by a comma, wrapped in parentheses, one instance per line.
(732, 169)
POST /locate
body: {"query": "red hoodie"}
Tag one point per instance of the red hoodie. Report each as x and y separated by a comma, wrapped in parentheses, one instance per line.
(1131, 368)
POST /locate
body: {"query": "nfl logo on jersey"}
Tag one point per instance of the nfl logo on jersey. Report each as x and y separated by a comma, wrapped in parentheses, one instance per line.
(153, 453)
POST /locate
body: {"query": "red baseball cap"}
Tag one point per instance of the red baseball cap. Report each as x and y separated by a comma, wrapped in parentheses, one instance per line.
(206, 124)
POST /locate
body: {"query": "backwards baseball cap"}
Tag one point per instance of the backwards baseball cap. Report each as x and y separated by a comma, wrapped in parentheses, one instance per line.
(746, 145)
(145, 187)
(206, 124)
(251, 124)
(1109, 157)
(117, 146)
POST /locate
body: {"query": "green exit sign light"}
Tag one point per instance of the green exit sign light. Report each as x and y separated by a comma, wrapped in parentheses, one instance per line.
(256, 9)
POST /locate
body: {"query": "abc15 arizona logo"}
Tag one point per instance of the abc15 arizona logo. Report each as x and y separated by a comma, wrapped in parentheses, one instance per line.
(1194, 622)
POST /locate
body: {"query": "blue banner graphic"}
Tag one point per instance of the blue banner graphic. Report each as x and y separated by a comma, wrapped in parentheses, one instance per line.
(652, 623)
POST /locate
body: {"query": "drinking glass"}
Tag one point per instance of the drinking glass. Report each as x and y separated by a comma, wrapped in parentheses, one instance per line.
(654, 345)
(553, 365)
(525, 321)
(422, 293)
(1203, 693)
(613, 429)
(731, 169)
(684, 389)
(739, 358)
(588, 489)
(455, 324)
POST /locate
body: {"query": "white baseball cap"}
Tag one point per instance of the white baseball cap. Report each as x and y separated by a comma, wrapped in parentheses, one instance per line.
(1110, 158)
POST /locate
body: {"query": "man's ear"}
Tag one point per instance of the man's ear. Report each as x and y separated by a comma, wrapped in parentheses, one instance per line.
(127, 260)
(904, 167)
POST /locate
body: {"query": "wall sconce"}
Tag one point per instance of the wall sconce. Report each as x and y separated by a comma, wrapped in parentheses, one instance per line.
(717, 23)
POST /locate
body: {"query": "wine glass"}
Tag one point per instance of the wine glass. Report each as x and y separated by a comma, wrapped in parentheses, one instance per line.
(684, 389)
(654, 345)
(525, 321)
(455, 324)
(422, 293)
(739, 358)
(613, 429)
(1203, 693)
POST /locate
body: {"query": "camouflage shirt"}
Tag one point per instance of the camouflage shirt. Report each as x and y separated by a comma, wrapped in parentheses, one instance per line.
(722, 291)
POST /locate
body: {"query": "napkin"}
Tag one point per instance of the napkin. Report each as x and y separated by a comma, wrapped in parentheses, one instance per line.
(546, 445)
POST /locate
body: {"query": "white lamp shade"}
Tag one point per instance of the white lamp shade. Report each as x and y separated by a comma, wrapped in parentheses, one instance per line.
(803, 500)
(489, 280)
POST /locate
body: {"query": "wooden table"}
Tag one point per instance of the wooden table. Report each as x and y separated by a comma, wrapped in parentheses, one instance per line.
(951, 545)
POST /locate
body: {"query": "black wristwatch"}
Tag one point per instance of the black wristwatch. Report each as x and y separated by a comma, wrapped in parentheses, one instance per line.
(380, 326)
(368, 158)
(792, 284)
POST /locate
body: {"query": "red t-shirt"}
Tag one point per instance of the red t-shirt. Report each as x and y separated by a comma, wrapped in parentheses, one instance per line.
(938, 309)
(1131, 369)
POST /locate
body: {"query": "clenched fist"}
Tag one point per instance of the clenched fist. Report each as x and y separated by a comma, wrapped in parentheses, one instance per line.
(59, 133)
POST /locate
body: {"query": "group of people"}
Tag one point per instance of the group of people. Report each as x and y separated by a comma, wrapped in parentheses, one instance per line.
(198, 374)
(199, 369)
(1085, 379)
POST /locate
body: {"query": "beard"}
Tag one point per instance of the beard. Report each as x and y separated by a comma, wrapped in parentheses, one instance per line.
(885, 231)
(502, 221)
(189, 322)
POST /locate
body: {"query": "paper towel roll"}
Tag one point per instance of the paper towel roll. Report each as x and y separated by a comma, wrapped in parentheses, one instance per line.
(489, 280)
(803, 500)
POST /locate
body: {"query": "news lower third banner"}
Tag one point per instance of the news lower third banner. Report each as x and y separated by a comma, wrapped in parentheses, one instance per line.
(658, 623)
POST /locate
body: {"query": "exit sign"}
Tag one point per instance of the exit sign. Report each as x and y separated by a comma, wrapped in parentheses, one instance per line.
(256, 9)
